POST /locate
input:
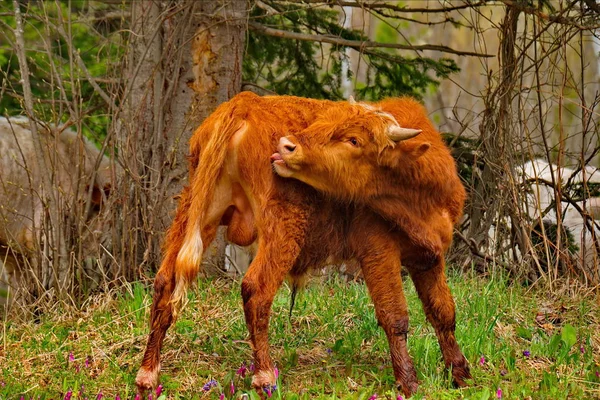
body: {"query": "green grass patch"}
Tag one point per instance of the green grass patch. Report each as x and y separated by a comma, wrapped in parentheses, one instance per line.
(527, 343)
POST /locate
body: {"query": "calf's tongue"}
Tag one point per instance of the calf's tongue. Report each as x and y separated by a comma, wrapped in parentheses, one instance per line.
(276, 157)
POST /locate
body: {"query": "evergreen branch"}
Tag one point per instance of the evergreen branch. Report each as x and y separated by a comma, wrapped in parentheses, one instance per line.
(386, 5)
(358, 45)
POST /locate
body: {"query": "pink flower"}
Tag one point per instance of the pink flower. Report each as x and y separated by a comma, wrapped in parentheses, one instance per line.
(99, 396)
(231, 388)
(499, 393)
(242, 370)
(374, 397)
(117, 397)
(87, 362)
(68, 395)
(138, 397)
(71, 357)
(399, 398)
(222, 397)
(482, 361)
(159, 390)
(276, 373)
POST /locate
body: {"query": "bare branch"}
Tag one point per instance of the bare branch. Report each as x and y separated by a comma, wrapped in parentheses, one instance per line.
(356, 44)
(559, 19)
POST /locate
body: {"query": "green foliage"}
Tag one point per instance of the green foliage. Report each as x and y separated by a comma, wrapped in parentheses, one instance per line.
(57, 82)
(312, 69)
(464, 151)
(294, 67)
(331, 348)
(397, 76)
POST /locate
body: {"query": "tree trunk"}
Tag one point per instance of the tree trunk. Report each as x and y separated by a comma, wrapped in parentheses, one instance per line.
(217, 53)
(497, 138)
(185, 59)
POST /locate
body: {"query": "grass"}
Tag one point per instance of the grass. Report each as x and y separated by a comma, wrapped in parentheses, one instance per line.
(525, 343)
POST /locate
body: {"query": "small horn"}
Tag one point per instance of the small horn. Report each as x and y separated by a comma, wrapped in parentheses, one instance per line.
(351, 100)
(398, 134)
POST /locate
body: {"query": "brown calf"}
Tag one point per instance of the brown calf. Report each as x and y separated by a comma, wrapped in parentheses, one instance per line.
(231, 183)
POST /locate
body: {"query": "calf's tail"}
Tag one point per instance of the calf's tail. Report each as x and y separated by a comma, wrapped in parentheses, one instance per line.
(209, 147)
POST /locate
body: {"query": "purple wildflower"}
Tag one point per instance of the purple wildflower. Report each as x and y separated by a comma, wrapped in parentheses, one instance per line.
(77, 368)
(269, 389)
(87, 362)
(582, 349)
(597, 374)
(68, 395)
(374, 397)
(209, 385)
(251, 367)
(242, 370)
(231, 388)
(499, 393)
(526, 353)
(482, 361)
(276, 373)
(329, 351)
(71, 357)
(159, 390)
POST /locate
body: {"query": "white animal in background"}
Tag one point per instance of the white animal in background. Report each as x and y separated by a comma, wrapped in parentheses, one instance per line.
(80, 174)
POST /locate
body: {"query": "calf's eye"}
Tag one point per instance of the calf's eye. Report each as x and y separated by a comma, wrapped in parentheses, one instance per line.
(353, 141)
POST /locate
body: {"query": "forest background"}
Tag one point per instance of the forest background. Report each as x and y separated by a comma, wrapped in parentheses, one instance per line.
(505, 81)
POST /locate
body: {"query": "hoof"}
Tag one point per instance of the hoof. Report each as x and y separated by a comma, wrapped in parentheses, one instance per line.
(146, 379)
(407, 389)
(264, 382)
(461, 374)
(406, 379)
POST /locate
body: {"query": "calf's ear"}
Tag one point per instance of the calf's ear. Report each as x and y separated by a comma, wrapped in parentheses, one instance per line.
(407, 152)
(420, 149)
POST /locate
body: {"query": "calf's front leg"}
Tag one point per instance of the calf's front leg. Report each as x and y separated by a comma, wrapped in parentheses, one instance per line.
(439, 307)
(378, 253)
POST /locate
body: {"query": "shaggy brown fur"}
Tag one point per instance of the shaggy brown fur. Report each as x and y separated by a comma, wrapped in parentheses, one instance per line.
(232, 183)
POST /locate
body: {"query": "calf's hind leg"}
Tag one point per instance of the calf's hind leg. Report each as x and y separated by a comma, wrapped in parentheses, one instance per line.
(439, 307)
(163, 311)
(278, 248)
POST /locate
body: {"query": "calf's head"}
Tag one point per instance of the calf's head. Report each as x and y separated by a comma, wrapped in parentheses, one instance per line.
(344, 150)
